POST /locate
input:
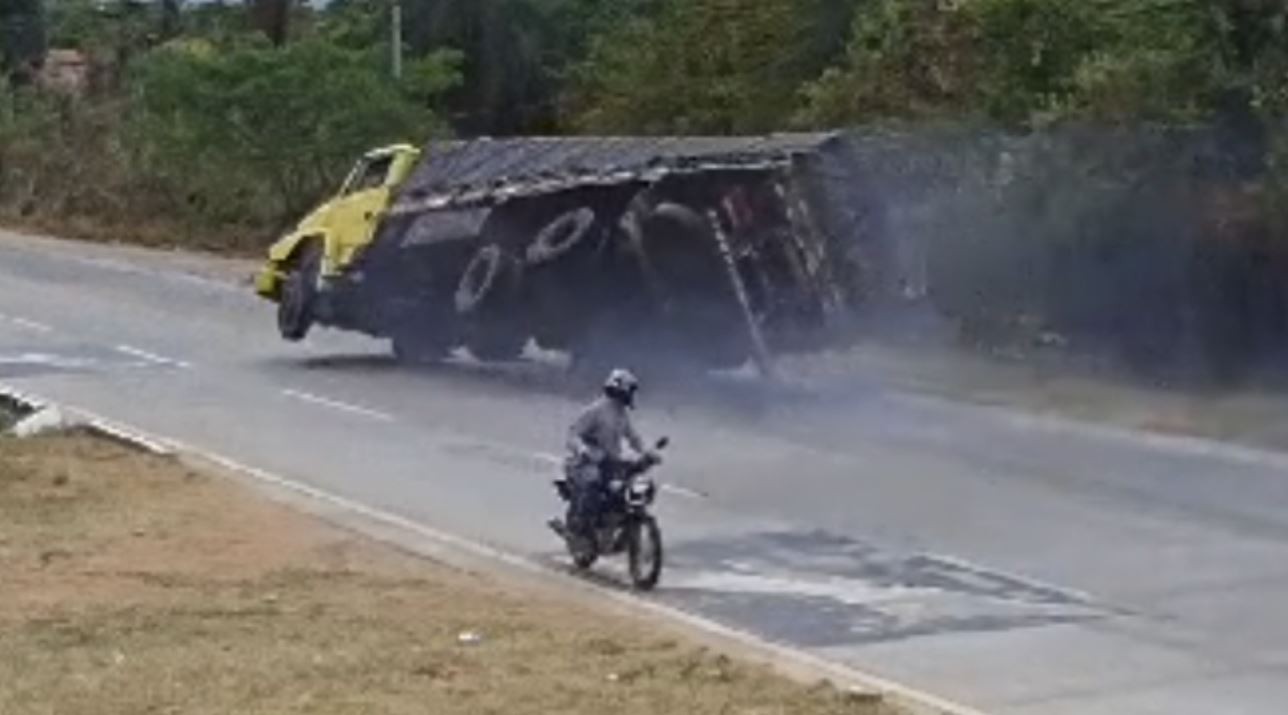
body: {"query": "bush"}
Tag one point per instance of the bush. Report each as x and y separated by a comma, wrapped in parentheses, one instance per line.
(719, 66)
(260, 133)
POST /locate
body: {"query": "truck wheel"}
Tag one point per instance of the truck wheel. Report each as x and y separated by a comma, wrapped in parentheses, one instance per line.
(496, 342)
(296, 310)
(490, 274)
(419, 348)
(561, 236)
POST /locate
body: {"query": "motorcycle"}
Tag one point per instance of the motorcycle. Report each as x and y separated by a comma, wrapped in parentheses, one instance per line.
(623, 523)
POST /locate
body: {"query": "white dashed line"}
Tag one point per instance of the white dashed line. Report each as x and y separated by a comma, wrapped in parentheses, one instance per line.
(47, 360)
(555, 460)
(152, 357)
(683, 492)
(25, 323)
(338, 405)
(31, 325)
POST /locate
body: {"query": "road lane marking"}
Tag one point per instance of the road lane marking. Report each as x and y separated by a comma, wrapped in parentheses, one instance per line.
(31, 325)
(152, 357)
(26, 323)
(683, 492)
(338, 405)
(45, 359)
(555, 460)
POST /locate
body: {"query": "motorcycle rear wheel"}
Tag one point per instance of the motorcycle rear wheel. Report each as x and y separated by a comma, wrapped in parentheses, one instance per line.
(644, 554)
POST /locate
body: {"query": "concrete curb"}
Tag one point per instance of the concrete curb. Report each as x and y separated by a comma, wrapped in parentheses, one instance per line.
(466, 553)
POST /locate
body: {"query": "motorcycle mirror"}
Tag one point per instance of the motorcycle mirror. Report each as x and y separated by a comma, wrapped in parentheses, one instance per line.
(662, 443)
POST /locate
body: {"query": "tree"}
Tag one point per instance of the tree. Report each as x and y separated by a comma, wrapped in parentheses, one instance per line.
(702, 66)
(286, 120)
(22, 37)
(1022, 61)
(505, 43)
(906, 58)
(171, 17)
(272, 17)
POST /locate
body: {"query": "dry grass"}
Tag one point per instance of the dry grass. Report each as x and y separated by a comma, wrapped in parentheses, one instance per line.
(132, 585)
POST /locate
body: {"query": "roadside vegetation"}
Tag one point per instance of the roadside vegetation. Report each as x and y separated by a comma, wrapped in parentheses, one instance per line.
(215, 124)
(1064, 135)
(133, 584)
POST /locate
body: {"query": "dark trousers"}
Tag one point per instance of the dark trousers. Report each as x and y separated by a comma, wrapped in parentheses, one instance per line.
(589, 482)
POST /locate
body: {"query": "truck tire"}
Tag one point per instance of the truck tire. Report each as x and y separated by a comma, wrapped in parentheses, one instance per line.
(495, 342)
(491, 275)
(296, 309)
(419, 347)
(488, 300)
(561, 236)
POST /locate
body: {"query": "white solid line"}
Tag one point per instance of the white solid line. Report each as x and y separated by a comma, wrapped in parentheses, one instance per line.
(31, 325)
(125, 436)
(338, 405)
(152, 357)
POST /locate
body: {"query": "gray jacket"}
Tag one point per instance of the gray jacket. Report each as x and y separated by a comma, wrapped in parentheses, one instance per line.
(601, 430)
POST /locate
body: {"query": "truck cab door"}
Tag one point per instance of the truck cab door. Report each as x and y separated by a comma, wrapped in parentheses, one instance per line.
(357, 211)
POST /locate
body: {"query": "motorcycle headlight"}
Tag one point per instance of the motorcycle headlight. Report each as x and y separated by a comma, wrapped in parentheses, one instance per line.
(641, 491)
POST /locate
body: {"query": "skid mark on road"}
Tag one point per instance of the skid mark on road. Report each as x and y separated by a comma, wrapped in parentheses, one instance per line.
(338, 405)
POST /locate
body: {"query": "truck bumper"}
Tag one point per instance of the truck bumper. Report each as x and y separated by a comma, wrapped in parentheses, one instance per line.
(268, 282)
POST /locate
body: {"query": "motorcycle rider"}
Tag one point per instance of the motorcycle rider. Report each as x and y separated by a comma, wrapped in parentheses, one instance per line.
(595, 444)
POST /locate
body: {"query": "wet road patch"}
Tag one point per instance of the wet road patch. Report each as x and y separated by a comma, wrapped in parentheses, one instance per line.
(814, 589)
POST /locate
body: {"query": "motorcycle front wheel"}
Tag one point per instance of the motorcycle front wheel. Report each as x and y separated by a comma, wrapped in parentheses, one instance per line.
(644, 553)
(583, 553)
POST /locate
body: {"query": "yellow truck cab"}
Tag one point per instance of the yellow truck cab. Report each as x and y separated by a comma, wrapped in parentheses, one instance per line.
(328, 240)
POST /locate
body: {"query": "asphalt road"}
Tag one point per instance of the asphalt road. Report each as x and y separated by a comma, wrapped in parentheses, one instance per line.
(1017, 566)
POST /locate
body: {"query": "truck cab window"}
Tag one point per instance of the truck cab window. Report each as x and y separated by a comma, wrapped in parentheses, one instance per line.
(371, 175)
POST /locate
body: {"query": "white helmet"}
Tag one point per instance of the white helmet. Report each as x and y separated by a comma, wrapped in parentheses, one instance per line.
(621, 386)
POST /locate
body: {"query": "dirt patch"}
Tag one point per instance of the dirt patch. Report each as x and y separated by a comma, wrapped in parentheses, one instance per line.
(134, 585)
(155, 232)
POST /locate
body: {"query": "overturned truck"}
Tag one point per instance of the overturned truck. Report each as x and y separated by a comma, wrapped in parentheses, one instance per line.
(704, 251)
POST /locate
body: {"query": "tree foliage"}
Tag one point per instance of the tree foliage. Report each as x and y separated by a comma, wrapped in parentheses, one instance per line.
(260, 114)
(1022, 61)
(192, 104)
(22, 34)
(715, 66)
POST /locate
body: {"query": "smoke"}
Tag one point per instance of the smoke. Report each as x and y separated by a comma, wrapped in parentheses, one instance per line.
(1153, 247)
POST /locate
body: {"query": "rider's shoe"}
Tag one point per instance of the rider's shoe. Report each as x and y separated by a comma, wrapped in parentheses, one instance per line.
(557, 526)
